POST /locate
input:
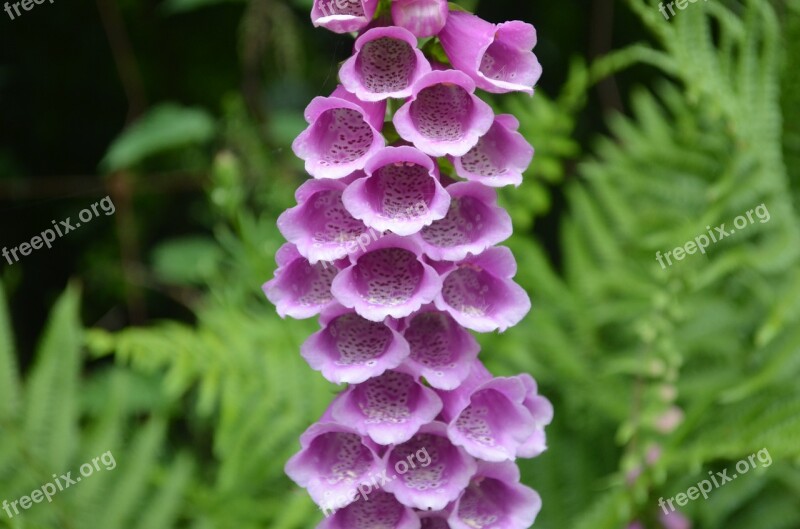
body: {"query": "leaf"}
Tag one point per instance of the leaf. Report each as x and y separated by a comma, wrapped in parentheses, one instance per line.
(163, 510)
(9, 376)
(188, 260)
(138, 462)
(51, 394)
(165, 127)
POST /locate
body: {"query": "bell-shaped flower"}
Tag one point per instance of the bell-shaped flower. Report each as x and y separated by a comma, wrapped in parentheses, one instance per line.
(343, 16)
(431, 471)
(333, 461)
(444, 116)
(495, 498)
(389, 408)
(423, 18)
(300, 289)
(479, 293)
(674, 520)
(343, 133)
(389, 278)
(499, 158)
(457, 399)
(473, 223)
(498, 57)
(386, 63)
(442, 351)
(320, 226)
(542, 412)
(492, 421)
(379, 510)
(352, 349)
(401, 192)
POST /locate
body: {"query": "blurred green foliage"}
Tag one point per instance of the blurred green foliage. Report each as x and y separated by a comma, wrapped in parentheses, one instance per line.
(202, 415)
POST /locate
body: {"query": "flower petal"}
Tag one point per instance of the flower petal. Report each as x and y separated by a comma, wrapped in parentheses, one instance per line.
(443, 116)
(386, 63)
(496, 499)
(389, 408)
(437, 477)
(474, 222)
(388, 279)
(352, 349)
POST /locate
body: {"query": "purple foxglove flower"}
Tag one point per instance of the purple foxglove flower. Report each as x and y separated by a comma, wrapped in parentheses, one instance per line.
(386, 63)
(493, 422)
(333, 461)
(444, 116)
(343, 133)
(343, 16)
(498, 57)
(423, 18)
(320, 226)
(380, 511)
(401, 192)
(499, 158)
(674, 520)
(352, 349)
(473, 223)
(300, 289)
(458, 399)
(389, 408)
(441, 350)
(439, 479)
(388, 279)
(542, 412)
(479, 293)
(495, 498)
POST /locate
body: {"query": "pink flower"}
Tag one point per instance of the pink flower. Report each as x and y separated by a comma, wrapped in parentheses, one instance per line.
(386, 63)
(474, 222)
(499, 158)
(401, 192)
(352, 349)
(343, 133)
(479, 293)
(497, 56)
(498, 420)
(300, 289)
(343, 16)
(441, 350)
(388, 279)
(496, 494)
(442, 480)
(443, 116)
(423, 18)
(674, 520)
(333, 462)
(400, 262)
(389, 408)
(379, 510)
(320, 226)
